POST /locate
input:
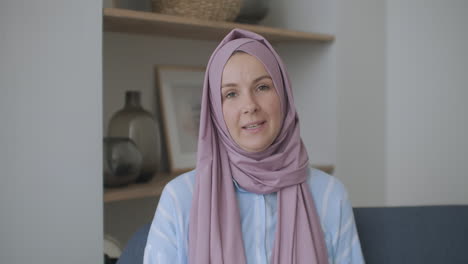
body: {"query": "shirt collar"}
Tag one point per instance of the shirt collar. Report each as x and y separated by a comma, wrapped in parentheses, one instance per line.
(238, 187)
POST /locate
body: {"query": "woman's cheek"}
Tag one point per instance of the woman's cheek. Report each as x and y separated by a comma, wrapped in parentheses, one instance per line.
(228, 114)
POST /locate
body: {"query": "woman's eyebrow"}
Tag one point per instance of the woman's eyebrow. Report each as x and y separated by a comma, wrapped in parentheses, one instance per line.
(262, 77)
(228, 85)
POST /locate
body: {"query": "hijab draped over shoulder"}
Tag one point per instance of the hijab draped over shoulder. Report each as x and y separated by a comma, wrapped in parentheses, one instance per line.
(215, 234)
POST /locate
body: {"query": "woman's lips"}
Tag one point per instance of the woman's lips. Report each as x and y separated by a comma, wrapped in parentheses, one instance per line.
(254, 126)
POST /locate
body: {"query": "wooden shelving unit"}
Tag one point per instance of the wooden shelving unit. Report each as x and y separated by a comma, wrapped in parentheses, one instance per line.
(147, 23)
(138, 22)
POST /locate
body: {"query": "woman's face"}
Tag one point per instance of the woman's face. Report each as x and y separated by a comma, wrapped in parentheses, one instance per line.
(251, 105)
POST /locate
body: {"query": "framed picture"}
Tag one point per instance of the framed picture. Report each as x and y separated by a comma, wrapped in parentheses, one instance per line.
(179, 90)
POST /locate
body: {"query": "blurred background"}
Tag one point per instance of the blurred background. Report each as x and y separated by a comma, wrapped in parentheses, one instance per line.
(384, 103)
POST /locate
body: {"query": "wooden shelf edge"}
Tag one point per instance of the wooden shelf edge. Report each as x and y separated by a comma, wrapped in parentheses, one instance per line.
(329, 169)
(152, 188)
(139, 22)
(156, 185)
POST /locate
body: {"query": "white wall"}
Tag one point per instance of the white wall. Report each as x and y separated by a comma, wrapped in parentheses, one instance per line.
(360, 75)
(401, 79)
(427, 110)
(51, 137)
(311, 67)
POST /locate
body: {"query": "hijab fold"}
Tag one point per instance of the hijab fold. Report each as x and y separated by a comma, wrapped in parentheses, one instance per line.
(215, 234)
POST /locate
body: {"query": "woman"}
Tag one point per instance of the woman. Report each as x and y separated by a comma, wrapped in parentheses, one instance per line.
(252, 197)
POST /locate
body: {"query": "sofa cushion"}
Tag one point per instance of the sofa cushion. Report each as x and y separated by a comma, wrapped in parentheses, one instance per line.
(423, 234)
(135, 248)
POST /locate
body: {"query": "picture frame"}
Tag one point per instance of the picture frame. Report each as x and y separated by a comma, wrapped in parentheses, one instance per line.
(179, 91)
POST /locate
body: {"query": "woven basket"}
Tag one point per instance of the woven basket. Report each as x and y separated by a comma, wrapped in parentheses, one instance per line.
(224, 10)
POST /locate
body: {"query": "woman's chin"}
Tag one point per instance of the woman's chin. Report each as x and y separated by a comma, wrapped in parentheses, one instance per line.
(255, 147)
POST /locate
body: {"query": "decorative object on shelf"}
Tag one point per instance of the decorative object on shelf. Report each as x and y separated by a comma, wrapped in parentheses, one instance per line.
(112, 249)
(224, 10)
(252, 11)
(139, 125)
(180, 89)
(122, 161)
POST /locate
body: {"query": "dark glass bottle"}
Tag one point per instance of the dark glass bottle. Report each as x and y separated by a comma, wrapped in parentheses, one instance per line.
(140, 126)
(253, 11)
(122, 161)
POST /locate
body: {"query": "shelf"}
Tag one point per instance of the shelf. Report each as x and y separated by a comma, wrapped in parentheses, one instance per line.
(156, 185)
(329, 169)
(138, 22)
(138, 190)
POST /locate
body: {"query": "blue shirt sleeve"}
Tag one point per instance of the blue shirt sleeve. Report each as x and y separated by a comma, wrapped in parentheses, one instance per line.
(346, 244)
(167, 238)
(161, 246)
(336, 216)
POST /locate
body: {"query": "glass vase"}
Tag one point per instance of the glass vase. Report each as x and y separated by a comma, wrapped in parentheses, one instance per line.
(253, 11)
(142, 128)
(122, 161)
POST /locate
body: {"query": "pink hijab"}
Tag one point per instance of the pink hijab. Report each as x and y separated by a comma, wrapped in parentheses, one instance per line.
(215, 230)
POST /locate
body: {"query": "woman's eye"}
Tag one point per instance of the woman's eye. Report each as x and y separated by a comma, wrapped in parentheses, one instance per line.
(263, 87)
(230, 95)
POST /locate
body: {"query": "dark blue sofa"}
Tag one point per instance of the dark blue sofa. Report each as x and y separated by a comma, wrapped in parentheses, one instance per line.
(396, 235)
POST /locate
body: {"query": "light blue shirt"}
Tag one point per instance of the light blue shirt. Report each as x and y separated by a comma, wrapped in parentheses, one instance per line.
(168, 236)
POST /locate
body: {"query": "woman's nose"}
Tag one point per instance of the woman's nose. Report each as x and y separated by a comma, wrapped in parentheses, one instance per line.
(249, 105)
